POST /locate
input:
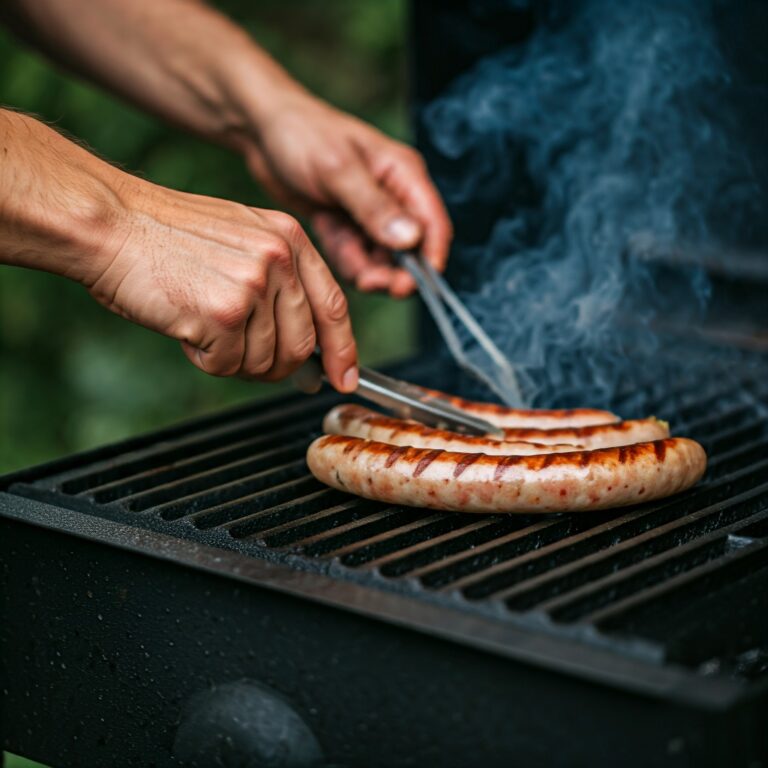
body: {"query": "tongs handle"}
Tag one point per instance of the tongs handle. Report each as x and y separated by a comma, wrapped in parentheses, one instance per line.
(407, 400)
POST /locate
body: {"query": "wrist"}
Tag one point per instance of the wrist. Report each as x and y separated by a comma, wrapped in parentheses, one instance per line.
(256, 89)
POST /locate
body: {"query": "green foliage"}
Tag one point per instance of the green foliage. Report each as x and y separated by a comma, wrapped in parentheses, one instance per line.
(71, 374)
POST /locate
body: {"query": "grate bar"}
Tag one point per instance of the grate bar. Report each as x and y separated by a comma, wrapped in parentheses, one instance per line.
(237, 492)
(423, 559)
(349, 554)
(746, 560)
(576, 605)
(227, 477)
(273, 495)
(198, 464)
(321, 543)
(585, 543)
(432, 547)
(311, 527)
(525, 595)
(194, 443)
(465, 565)
(302, 508)
(400, 520)
(628, 551)
(728, 440)
(444, 525)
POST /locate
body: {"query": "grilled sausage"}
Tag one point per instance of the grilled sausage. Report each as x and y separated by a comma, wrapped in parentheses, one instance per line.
(502, 416)
(597, 436)
(475, 482)
(356, 421)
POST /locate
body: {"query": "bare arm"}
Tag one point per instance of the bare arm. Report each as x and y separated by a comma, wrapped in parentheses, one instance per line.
(188, 63)
(242, 289)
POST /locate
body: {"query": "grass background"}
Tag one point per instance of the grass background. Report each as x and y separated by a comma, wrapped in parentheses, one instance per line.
(72, 375)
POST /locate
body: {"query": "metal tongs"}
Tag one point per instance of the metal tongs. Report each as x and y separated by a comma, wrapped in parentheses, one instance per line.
(408, 401)
(498, 373)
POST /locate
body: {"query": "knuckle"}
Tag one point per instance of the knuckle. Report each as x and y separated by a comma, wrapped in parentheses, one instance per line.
(258, 367)
(288, 226)
(230, 314)
(347, 352)
(279, 253)
(303, 348)
(414, 157)
(256, 282)
(222, 367)
(336, 305)
(334, 161)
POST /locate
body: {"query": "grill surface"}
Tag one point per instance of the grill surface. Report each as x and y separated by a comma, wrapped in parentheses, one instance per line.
(682, 581)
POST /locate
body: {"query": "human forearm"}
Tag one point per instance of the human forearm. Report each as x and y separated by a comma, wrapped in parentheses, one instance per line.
(59, 204)
(241, 288)
(180, 59)
(365, 193)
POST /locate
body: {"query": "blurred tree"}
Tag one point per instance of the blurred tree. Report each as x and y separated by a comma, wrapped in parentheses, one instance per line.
(73, 375)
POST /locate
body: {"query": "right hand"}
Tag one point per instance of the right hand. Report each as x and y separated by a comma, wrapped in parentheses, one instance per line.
(241, 288)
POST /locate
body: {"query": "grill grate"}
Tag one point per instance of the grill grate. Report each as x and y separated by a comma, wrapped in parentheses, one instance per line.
(655, 576)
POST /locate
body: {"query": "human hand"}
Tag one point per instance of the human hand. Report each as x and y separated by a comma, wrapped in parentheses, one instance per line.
(365, 193)
(241, 288)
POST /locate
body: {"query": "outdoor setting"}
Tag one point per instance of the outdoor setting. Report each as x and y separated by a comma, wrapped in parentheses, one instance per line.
(74, 376)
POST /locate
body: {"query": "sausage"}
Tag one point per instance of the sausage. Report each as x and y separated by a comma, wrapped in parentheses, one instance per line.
(502, 416)
(475, 482)
(356, 421)
(597, 436)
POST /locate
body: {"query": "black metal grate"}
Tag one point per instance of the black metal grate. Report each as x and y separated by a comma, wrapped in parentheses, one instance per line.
(682, 579)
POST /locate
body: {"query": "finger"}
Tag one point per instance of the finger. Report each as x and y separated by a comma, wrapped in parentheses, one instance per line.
(343, 246)
(223, 356)
(402, 284)
(405, 175)
(331, 317)
(354, 259)
(295, 331)
(376, 209)
(260, 336)
(427, 204)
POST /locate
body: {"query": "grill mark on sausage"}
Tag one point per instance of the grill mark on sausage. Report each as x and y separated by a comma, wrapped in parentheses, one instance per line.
(426, 460)
(394, 455)
(504, 410)
(502, 464)
(660, 448)
(467, 461)
(549, 459)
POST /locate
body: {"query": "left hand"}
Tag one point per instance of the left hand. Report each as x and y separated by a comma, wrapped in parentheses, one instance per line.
(365, 193)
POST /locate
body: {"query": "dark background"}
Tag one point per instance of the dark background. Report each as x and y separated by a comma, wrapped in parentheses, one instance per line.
(72, 375)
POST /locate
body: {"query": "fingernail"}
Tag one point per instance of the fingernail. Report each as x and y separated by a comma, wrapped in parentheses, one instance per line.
(349, 380)
(403, 231)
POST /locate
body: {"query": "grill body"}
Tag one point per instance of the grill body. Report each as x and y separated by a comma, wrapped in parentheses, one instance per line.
(140, 578)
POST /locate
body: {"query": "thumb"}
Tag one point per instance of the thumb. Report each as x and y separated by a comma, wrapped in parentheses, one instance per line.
(375, 209)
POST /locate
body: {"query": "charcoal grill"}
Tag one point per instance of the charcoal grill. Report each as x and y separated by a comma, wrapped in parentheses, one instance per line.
(153, 586)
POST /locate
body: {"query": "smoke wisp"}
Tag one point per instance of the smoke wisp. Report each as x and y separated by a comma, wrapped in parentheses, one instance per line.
(570, 159)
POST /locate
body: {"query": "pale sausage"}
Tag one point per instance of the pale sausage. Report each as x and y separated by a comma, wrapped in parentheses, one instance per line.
(475, 482)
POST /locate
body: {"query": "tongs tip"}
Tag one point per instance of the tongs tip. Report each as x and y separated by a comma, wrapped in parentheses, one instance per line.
(500, 377)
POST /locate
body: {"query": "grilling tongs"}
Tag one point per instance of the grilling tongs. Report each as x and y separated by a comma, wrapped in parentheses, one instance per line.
(496, 372)
(412, 402)
(408, 401)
